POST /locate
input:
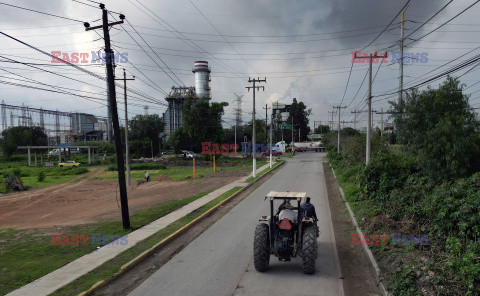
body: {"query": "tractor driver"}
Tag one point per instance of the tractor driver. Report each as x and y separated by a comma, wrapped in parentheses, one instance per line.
(285, 210)
(309, 209)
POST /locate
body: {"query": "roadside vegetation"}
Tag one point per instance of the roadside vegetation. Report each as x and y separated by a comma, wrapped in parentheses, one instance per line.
(422, 180)
(26, 255)
(34, 177)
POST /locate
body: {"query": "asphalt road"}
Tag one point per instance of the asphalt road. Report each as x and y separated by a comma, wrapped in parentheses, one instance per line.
(220, 261)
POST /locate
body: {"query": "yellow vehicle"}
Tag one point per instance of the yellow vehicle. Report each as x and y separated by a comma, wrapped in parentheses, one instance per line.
(69, 163)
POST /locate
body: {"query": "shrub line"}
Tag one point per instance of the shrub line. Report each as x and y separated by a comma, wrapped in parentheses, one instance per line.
(368, 252)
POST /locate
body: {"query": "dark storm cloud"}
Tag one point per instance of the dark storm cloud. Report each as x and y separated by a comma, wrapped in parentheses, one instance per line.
(306, 27)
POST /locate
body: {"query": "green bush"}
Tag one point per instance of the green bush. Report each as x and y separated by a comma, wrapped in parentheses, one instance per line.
(41, 176)
(463, 260)
(385, 173)
(454, 208)
(17, 172)
(66, 171)
(404, 282)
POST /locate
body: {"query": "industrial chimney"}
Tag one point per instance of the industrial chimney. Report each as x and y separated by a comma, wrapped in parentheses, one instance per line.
(202, 79)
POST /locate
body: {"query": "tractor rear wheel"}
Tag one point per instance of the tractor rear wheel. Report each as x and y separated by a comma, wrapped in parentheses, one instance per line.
(261, 248)
(309, 249)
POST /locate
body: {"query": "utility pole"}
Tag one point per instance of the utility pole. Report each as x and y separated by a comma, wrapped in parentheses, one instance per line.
(355, 112)
(266, 121)
(238, 117)
(293, 145)
(331, 121)
(369, 116)
(400, 87)
(382, 126)
(373, 112)
(271, 118)
(338, 136)
(113, 109)
(127, 148)
(254, 81)
(369, 126)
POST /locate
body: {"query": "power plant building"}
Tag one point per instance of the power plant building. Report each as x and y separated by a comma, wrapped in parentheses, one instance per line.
(173, 116)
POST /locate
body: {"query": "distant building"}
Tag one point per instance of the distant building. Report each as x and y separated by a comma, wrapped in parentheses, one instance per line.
(280, 113)
(82, 122)
(173, 117)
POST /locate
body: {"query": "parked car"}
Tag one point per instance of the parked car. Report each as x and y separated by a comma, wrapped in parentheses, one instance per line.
(168, 152)
(274, 153)
(188, 154)
(69, 163)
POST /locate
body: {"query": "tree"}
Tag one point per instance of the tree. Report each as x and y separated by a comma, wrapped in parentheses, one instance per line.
(322, 129)
(202, 122)
(145, 129)
(179, 140)
(440, 128)
(300, 115)
(22, 136)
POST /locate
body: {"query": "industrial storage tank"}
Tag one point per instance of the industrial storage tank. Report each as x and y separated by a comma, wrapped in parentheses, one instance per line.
(202, 79)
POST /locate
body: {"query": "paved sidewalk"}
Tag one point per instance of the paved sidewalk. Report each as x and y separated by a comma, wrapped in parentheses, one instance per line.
(75, 269)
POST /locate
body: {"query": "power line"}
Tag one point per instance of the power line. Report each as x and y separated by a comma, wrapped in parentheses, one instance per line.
(445, 73)
(41, 12)
(185, 39)
(181, 82)
(389, 24)
(424, 23)
(346, 87)
(457, 15)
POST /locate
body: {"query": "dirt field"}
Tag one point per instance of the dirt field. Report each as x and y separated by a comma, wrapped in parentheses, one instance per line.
(88, 199)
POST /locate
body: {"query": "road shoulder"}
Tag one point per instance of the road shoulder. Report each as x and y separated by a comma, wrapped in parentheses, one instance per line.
(357, 273)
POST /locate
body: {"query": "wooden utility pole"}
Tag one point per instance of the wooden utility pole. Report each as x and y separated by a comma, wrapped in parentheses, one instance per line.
(109, 59)
(254, 87)
(127, 148)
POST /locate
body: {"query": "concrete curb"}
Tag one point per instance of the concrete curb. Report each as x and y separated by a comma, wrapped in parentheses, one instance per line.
(132, 263)
(367, 250)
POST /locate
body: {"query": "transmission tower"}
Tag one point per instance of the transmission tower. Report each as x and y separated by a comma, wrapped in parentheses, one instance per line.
(238, 110)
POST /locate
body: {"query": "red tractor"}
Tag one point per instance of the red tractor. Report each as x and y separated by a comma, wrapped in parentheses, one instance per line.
(286, 234)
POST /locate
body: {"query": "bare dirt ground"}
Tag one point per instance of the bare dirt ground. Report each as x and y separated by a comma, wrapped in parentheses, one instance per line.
(86, 199)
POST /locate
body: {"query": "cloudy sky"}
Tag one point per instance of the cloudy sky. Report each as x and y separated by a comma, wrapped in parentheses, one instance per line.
(303, 48)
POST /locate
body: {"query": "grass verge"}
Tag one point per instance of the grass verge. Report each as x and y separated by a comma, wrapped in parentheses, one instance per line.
(26, 255)
(180, 173)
